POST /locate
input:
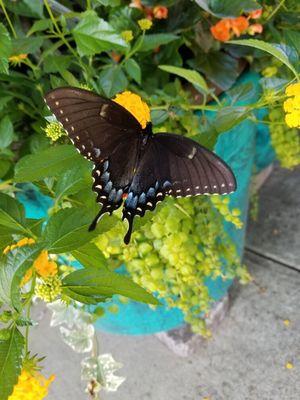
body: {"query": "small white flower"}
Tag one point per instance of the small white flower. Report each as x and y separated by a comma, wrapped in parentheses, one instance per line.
(101, 369)
(80, 339)
(62, 313)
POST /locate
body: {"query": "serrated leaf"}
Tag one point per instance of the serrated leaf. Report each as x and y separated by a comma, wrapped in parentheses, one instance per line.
(154, 40)
(56, 63)
(49, 162)
(94, 282)
(40, 25)
(90, 256)
(133, 70)
(94, 35)
(269, 48)
(26, 45)
(12, 269)
(113, 81)
(11, 352)
(5, 49)
(191, 76)
(72, 181)
(68, 229)
(12, 215)
(6, 132)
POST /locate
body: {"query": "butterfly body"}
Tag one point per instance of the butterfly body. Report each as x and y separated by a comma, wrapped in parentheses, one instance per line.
(132, 166)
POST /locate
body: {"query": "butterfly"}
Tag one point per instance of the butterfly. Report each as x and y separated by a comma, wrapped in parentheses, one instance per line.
(132, 166)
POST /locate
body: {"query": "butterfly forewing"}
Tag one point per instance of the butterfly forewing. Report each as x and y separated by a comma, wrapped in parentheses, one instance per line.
(103, 132)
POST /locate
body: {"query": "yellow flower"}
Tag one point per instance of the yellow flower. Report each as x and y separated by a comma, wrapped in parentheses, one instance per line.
(289, 365)
(54, 131)
(293, 89)
(145, 24)
(26, 277)
(20, 243)
(44, 267)
(17, 59)
(127, 36)
(31, 386)
(135, 105)
(292, 105)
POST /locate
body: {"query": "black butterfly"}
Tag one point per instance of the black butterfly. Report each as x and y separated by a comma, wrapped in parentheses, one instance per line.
(132, 161)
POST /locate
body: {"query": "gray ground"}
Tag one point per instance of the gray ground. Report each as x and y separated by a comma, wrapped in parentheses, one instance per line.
(246, 359)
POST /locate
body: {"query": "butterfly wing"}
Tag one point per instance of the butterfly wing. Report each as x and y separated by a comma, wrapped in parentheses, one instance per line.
(177, 166)
(103, 132)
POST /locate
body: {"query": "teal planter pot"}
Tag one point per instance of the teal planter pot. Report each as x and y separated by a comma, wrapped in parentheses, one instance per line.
(245, 148)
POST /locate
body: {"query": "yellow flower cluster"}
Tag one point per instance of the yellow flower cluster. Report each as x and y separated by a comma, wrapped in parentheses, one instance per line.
(31, 386)
(145, 24)
(17, 59)
(135, 105)
(127, 36)
(49, 289)
(54, 131)
(20, 243)
(292, 105)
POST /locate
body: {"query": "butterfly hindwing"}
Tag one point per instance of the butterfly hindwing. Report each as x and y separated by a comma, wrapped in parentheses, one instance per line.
(177, 166)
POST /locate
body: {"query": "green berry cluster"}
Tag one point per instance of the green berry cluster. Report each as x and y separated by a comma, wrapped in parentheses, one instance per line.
(285, 140)
(49, 289)
(176, 250)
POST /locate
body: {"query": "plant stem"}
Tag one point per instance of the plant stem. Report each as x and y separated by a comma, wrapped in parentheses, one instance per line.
(28, 304)
(8, 19)
(275, 10)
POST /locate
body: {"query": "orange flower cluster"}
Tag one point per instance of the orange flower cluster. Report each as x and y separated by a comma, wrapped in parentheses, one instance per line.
(228, 27)
(42, 266)
(158, 12)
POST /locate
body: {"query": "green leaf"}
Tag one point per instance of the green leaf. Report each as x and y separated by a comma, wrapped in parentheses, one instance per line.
(11, 351)
(89, 299)
(5, 42)
(5, 49)
(94, 35)
(12, 215)
(133, 70)
(72, 181)
(191, 76)
(69, 78)
(226, 119)
(94, 282)
(113, 81)
(154, 40)
(68, 229)
(54, 63)
(293, 39)
(26, 45)
(6, 132)
(90, 256)
(228, 8)
(40, 25)
(269, 48)
(12, 270)
(49, 162)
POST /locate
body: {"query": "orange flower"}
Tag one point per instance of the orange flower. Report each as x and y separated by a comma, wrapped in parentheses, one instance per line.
(255, 14)
(160, 12)
(43, 266)
(255, 28)
(239, 25)
(221, 31)
(115, 56)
